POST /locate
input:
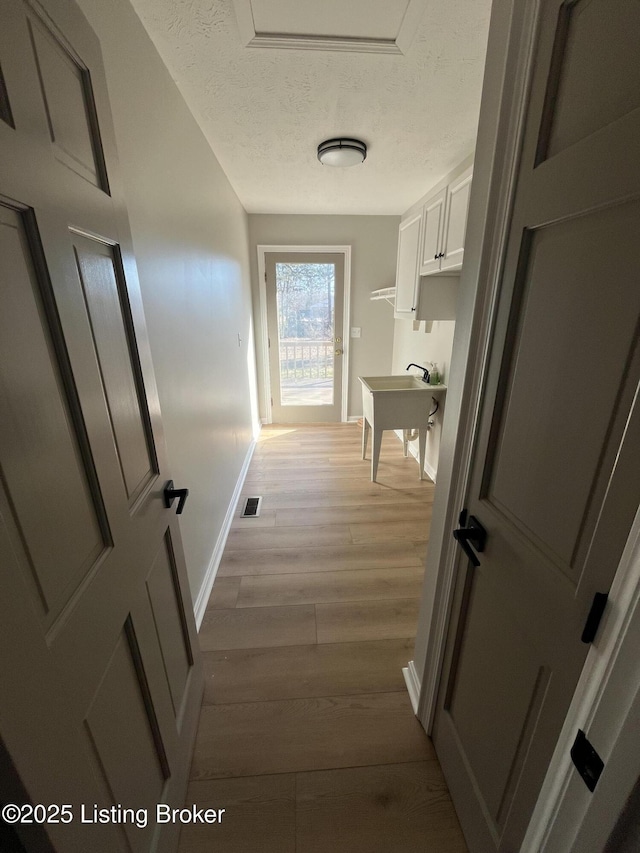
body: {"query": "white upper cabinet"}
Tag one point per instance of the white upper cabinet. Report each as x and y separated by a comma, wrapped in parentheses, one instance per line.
(458, 194)
(433, 232)
(430, 253)
(444, 222)
(407, 272)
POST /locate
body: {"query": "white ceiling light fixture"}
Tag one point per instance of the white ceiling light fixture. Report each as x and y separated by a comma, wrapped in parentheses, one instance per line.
(342, 152)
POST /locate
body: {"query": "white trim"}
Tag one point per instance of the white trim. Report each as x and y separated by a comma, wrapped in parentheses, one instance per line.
(264, 329)
(317, 43)
(302, 41)
(430, 471)
(212, 569)
(346, 341)
(412, 681)
(413, 449)
(353, 419)
(604, 662)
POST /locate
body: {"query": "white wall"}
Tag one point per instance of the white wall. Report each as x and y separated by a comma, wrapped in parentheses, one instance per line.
(432, 342)
(374, 242)
(190, 236)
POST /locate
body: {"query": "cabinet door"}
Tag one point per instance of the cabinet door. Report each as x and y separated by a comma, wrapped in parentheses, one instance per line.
(456, 221)
(432, 230)
(407, 274)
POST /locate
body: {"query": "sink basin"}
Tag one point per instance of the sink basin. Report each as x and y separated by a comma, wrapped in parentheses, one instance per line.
(395, 383)
(395, 402)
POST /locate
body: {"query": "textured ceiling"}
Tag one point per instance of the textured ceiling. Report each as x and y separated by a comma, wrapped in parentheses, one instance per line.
(264, 111)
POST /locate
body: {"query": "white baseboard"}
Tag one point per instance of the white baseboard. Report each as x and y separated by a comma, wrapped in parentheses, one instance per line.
(429, 470)
(353, 419)
(413, 685)
(212, 569)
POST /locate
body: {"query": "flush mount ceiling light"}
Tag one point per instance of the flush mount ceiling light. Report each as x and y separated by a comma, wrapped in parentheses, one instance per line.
(342, 152)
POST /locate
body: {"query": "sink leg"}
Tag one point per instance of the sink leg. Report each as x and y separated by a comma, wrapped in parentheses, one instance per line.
(422, 441)
(375, 452)
(365, 436)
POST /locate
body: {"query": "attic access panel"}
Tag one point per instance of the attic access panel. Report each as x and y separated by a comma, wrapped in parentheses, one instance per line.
(361, 26)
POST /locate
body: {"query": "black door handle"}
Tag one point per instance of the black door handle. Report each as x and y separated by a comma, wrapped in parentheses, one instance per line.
(170, 494)
(473, 534)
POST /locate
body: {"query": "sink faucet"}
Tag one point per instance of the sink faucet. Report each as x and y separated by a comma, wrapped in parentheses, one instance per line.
(425, 372)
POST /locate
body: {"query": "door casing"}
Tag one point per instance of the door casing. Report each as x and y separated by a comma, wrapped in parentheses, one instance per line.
(264, 348)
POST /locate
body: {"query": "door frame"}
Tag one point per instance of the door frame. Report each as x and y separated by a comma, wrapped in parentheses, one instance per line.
(561, 807)
(264, 348)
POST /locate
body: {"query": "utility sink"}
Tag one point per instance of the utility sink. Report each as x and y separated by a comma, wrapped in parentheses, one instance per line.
(394, 383)
(396, 402)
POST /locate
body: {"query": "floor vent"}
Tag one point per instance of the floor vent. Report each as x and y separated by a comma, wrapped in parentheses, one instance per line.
(251, 508)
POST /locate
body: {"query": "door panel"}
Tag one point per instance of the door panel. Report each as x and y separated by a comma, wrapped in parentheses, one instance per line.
(566, 388)
(57, 511)
(579, 99)
(167, 607)
(455, 226)
(495, 733)
(121, 726)
(557, 454)
(433, 232)
(68, 101)
(97, 636)
(102, 280)
(5, 106)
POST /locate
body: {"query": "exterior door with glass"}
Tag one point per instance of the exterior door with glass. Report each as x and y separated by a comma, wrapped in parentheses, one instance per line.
(305, 297)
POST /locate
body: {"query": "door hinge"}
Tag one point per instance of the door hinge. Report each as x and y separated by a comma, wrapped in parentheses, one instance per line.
(586, 760)
(272, 401)
(595, 617)
(269, 342)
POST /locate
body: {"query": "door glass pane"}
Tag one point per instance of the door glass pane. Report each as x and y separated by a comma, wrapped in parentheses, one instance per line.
(306, 300)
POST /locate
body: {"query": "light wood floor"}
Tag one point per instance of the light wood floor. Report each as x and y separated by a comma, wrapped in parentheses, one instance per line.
(306, 736)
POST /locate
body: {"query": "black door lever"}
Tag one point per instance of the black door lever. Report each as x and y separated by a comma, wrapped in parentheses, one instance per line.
(170, 494)
(473, 534)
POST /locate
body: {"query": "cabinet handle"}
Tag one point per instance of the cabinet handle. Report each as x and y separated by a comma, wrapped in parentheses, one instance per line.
(441, 255)
(435, 257)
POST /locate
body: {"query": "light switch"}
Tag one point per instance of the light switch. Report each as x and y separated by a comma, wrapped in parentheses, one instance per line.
(356, 331)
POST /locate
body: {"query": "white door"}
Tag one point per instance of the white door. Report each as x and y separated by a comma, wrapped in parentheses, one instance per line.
(408, 267)
(433, 228)
(305, 314)
(455, 229)
(99, 666)
(556, 473)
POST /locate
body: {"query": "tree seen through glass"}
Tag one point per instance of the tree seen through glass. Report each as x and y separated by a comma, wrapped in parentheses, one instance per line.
(305, 296)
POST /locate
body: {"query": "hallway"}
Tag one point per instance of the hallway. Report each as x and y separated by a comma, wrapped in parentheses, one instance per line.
(306, 736)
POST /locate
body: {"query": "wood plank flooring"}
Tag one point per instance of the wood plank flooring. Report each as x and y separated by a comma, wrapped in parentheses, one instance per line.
(307, 737)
